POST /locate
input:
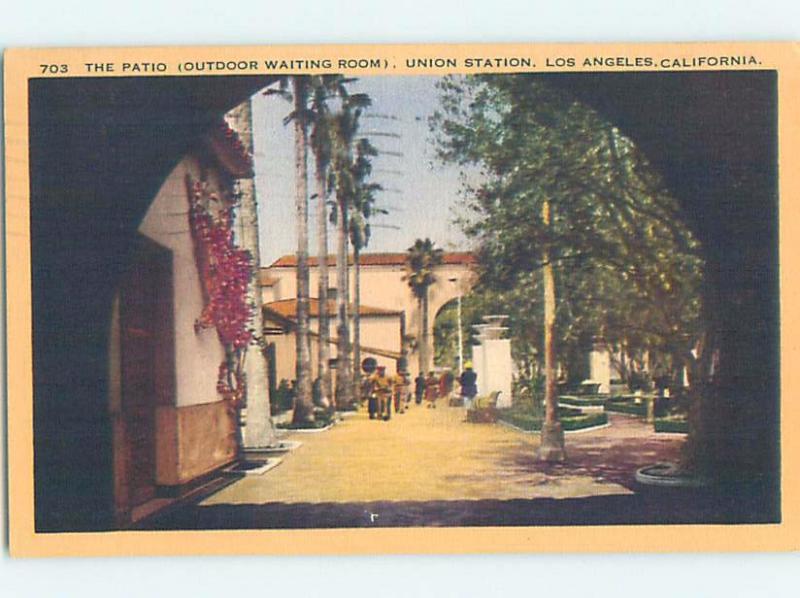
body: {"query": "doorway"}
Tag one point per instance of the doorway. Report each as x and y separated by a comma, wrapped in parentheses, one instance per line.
(147, 361)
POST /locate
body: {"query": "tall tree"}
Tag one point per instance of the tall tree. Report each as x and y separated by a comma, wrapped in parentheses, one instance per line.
(551, 447)
(301, 117)
(324, 89)
(259, 431)
(421, 261)
(362, 209)
(344, 128)
(569, 208)
(304, 408)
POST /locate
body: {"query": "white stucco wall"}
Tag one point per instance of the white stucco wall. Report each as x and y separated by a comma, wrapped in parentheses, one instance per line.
(380, 332)
(197, 355)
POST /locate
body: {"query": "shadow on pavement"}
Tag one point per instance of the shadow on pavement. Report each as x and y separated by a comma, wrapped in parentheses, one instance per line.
(646, 506)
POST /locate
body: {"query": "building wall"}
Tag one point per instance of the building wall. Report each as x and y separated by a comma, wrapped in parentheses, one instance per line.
(197, 355)
(381, 332)
(384, 287)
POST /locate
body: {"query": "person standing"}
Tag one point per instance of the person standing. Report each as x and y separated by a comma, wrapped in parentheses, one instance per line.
(469, 384)
(399, 386)
(371, 392)
(383, 388)
(431, 390)
(419, 388)
(443, 390)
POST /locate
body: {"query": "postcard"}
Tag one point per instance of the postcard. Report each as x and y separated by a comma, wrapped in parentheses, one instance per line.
(402, 299)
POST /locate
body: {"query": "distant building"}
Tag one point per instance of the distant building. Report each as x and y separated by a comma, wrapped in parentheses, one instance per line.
(389, 311)
(381, 334)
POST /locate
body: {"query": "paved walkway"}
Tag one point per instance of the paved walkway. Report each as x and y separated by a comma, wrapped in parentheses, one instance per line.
(431, 454)
(429, 468)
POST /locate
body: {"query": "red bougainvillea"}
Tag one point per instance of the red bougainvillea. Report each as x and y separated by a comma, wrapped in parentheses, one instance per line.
(225, 271)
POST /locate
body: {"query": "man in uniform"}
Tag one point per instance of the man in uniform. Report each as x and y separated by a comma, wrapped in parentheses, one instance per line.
(382, 387)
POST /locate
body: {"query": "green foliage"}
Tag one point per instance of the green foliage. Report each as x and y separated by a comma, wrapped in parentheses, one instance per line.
(362, 201)
(532, 422)
(348, 173)
(586, 401)
(422, 258)
(628, 407)
(322, 419)
(283, 397)
(626, 267)
(445, 336)
(667, 424)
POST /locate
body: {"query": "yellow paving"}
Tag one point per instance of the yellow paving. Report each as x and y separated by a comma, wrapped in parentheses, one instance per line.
(422, 455)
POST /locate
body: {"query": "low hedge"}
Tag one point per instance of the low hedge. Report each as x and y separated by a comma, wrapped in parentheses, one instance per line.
(671, 425)
(532, 423)
(630, 408)
(321, 419)
(583, 401)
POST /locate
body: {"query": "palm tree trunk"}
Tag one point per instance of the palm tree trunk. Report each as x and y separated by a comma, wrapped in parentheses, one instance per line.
(423, 333)
(344, 373)
(303, 410)
(357, 317)
(259, 431)
(552, 436)
(324, 351)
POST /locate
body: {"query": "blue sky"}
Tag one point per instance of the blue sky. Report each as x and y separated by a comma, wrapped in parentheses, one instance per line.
(422, 195)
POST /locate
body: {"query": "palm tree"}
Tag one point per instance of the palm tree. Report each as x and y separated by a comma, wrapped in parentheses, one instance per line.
(304, 408)
(421, 261)
(301, 116)
(259, 431)
(323, 87)
(362, 208)
(345, 126)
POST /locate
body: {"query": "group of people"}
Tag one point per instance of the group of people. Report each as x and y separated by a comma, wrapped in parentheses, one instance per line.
(384, 392)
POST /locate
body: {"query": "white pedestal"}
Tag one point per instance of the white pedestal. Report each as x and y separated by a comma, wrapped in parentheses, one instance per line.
(492, 362)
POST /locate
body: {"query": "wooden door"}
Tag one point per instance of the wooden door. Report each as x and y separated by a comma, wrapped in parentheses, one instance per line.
(147, 360)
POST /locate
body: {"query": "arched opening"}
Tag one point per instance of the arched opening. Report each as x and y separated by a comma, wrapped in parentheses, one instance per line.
(446, 339)
(99, 151)
(101, 148)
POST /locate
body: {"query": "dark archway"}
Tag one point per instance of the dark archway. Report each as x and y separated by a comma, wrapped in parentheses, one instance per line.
(99, 151)
(100, 148)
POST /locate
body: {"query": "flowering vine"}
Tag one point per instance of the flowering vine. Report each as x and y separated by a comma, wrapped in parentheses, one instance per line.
(225, 271)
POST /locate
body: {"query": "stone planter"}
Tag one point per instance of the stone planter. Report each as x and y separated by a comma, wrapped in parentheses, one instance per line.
(668, 475)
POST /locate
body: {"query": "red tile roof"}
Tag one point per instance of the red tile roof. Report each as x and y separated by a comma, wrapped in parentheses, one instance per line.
(265, 279)
(378, 259)
(287, 308)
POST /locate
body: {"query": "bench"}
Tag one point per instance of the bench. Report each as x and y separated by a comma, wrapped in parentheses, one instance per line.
(484, 409)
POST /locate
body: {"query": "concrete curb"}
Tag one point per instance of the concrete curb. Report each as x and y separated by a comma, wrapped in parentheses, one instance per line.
(268, 464)
(518, 429)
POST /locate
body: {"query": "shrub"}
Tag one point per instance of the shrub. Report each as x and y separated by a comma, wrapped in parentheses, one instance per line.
(581, 401)
(283, 398)
(321, 419)
(626, 406)
(671, 424)
(569, 420)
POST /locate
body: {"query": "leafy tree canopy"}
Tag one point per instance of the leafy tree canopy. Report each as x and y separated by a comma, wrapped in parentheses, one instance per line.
(627, 268)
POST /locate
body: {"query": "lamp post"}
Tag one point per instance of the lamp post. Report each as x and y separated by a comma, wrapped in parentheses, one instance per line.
(460, 341)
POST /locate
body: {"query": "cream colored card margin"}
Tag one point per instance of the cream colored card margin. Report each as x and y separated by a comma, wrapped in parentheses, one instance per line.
(22, 64)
